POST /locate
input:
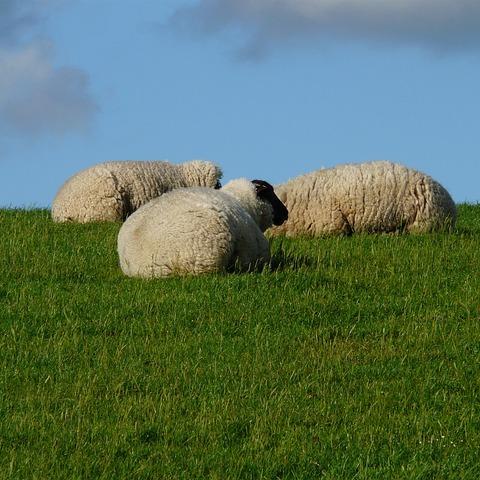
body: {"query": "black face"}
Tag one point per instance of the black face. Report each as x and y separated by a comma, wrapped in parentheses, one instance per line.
(218, 185)
(265, 192)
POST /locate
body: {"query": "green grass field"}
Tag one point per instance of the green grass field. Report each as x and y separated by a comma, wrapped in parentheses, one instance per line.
(352, 358)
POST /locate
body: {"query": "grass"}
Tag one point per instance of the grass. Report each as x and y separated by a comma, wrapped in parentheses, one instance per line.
(353, 358)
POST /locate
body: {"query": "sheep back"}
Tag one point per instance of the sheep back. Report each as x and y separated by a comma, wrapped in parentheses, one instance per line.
(113, 190)
(368, 197)
(190, 231)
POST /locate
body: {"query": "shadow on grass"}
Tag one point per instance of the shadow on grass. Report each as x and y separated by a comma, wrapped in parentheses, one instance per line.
(466, 232)
(282, 260)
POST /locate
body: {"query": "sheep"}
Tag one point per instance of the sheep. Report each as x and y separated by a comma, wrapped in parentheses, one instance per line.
(200, 230)
(369, 197)
(111, 191)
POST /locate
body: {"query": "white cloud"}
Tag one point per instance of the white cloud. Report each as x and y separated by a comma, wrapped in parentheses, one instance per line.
(433, 24)
(35, 95)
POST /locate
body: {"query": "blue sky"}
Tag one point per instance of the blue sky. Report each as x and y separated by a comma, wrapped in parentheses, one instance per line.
(266, 88)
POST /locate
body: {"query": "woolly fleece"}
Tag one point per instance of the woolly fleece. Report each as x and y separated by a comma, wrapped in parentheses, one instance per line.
(195, 231)
(113, 190)
(369, 197)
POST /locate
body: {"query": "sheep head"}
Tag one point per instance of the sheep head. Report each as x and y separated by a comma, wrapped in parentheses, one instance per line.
(266, 193)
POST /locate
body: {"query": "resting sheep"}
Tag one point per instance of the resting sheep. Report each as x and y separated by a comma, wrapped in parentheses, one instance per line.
(200, 230)
(112, 191)
(367, 197)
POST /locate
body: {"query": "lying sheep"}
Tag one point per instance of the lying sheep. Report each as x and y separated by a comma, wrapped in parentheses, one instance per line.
(112, 191)
(367, 197)
(200, 230)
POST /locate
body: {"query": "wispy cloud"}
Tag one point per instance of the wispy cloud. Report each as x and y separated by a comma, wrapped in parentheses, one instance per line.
(267, 24)
(35, 95)
(37, 98)
(17, 18)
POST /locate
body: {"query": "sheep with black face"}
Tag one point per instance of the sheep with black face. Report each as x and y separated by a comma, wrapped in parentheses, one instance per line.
(201, 230)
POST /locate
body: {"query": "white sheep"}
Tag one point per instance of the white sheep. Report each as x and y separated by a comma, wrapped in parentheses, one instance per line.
(367, 197)
(200, 230)
(111, 191)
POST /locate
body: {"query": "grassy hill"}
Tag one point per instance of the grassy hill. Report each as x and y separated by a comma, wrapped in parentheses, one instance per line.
(352, 358)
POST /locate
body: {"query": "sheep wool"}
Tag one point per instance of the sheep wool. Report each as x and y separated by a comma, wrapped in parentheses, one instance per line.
(197, 230)
(113, 190)
(368, 197)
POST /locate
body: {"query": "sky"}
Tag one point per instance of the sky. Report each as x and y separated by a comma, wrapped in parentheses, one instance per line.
(267, 89)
